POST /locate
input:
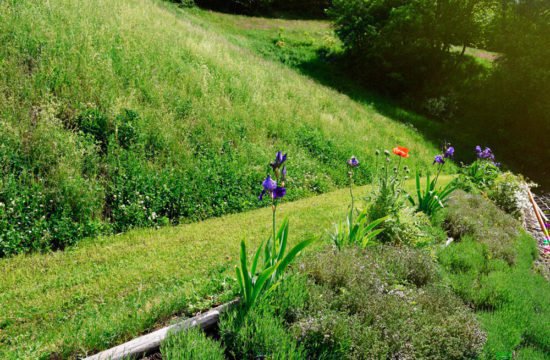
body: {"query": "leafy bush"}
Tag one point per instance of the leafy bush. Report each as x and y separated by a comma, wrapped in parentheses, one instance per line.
(381, 303)
(189, 345)
(401, 44)
(49, 197)
(95, 123)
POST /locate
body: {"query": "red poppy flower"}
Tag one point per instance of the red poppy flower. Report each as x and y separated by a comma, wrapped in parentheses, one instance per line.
(401, 151)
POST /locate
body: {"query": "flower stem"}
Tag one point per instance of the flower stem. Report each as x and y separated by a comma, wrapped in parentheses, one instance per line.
(273, 245)
(352, 198)
(438, 172)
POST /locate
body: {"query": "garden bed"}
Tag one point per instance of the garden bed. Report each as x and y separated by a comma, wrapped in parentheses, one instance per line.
(388, 283)
(388, 301)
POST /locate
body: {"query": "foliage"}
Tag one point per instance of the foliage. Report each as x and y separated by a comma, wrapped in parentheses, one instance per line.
(387, 199)
(259, 281)
(356, 232)
(382, 303)
(404, 42)
(99, 137)
(494, 229)
(516, 87)
(432, 199)
(478, 176)
(510, 299)
(508, 195)
(485, 177)
(263, 330)
(48, 197)
(261, 333)
(191, 344)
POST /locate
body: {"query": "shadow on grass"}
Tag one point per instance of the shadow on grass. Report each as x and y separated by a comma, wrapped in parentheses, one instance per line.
(332, 71)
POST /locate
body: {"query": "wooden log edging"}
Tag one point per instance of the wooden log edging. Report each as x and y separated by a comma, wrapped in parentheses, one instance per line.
(150, 343)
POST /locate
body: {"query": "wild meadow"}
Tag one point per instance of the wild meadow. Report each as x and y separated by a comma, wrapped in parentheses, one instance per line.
(162, 158)
(117, 116)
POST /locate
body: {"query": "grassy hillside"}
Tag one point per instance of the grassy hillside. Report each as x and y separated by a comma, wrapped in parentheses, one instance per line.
(123, 114)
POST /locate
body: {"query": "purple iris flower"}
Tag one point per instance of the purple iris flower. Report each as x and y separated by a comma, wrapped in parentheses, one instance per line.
(278, 193)
(487, 153)
(353, 162)
(270, 186)
(439, 159)
(450, 152)
(279, 160)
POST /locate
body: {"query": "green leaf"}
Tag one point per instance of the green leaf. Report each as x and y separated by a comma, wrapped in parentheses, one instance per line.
(240, 281)
(246, 276)
(283, 236)
(371, 236)
(259, 284)
(256, 259)
(376, 222)
(292, 254)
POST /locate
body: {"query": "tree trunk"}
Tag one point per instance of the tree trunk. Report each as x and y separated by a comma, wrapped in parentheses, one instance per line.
(463, 50)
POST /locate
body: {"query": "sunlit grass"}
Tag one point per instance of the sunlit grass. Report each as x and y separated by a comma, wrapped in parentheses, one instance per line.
(107, 290)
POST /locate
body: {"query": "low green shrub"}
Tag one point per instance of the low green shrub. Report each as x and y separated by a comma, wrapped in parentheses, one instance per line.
(382, 303)
(96, 124)
(499, 283)
(49, 197)
(261, 333)
(507, 194)
(190, 345)
(485, 177)
(478, 176)
(388, 197)
(470, 214)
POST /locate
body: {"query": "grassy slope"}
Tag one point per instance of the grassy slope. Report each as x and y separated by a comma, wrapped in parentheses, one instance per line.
(107, 290)
(138, 55)
(210, 102)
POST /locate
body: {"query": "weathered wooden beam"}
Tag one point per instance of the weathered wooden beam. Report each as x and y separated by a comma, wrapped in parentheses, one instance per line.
(149, 343)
